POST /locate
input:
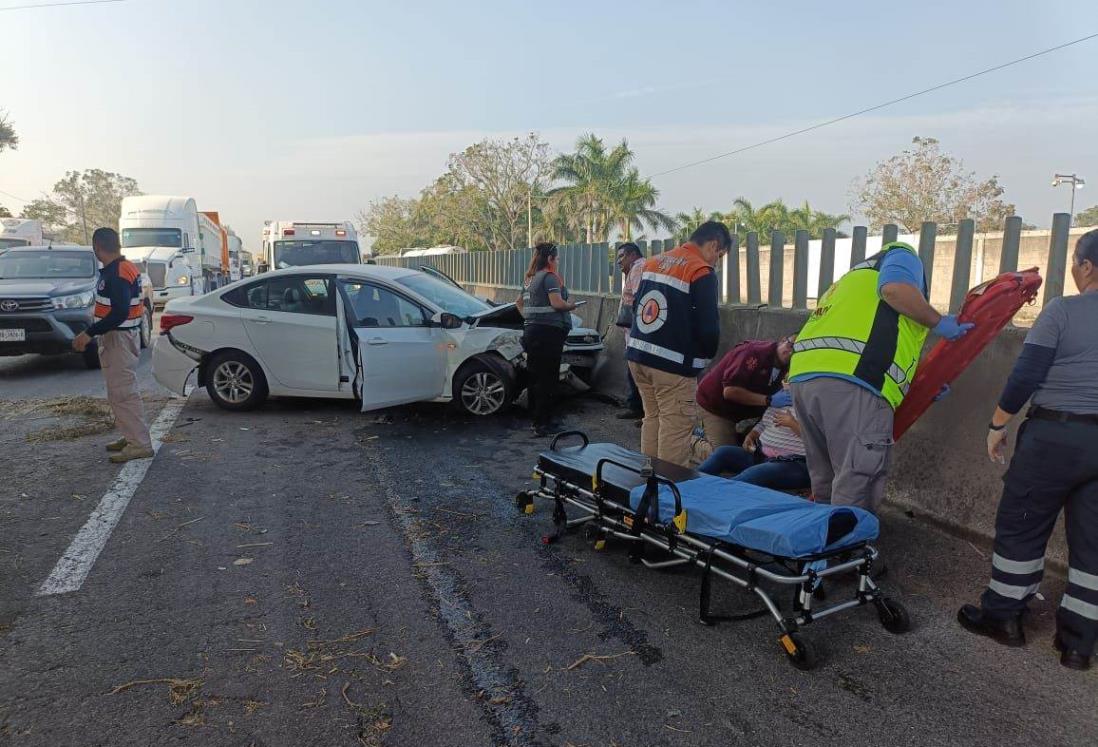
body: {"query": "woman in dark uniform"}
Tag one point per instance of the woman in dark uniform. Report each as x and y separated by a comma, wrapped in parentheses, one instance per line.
(1054, 468)
(545, 306)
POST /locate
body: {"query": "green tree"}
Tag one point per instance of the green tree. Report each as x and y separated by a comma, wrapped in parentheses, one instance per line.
(8, 139)
(81, 202)
(498, 181)
(391, 221)
(923, 184)
(777, 216)
(602, 191)
(1088, 217)
(4, 212)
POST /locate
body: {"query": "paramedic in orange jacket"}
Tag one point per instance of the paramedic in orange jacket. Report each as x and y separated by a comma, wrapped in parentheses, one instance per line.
(118, 312)
(675, 332)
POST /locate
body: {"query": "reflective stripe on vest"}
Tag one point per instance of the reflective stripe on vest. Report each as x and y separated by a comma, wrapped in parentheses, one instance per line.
(853, 332)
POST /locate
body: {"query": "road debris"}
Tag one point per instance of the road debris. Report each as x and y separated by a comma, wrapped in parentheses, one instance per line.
(179, 690)
(595, 657)
(243, 561)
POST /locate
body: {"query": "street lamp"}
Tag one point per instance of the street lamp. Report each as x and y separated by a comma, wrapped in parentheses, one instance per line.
(1076, 182)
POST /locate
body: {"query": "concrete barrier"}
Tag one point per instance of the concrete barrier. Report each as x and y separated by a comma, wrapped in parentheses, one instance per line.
(940, 470)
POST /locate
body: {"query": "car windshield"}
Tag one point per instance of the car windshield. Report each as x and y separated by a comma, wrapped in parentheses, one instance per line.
(315, 252)
(444, 295)
(9, 243)
(152, 237)
(47, 263)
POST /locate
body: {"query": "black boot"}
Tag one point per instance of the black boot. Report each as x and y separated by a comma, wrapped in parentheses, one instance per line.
(1071, 659)
(1007, 631)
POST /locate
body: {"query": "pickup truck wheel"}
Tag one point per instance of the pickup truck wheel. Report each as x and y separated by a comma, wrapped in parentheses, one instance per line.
(482, 389)
(146, 328)
(91, 355)
(235, 381)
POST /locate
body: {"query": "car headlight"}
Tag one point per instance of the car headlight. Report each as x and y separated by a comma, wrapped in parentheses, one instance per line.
(75, 301)
(184, 280)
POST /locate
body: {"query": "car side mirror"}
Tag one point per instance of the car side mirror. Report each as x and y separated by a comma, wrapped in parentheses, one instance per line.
(446, 320)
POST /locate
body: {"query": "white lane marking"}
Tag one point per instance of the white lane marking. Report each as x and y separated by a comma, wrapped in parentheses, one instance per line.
(74, 566)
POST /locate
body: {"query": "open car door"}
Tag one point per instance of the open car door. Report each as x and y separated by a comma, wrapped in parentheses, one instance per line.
(400, 356)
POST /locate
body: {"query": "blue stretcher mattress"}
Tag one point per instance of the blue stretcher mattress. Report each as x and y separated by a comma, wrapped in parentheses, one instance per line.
(759, 518)
(735, 512)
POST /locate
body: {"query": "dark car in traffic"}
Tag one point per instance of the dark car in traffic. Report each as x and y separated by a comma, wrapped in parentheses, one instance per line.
(47, 297)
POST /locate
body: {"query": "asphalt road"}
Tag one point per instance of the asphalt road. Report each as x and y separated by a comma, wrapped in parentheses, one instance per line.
(308, 574)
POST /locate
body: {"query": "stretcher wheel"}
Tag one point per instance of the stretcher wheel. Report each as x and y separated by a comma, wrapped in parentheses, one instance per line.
(798, 652)
(524, 502)
(893, 616)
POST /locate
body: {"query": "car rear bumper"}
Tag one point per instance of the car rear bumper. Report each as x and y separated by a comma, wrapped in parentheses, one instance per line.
(44, 332)
(172, 368)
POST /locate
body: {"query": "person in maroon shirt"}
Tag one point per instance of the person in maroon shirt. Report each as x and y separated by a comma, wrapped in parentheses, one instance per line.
(740, 387)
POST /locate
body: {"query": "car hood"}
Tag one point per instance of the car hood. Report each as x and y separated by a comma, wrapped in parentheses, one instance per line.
(45, 286)
(504, 315)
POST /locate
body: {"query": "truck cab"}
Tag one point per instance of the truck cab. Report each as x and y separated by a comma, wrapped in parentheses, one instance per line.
(181, 249)
(19, 232)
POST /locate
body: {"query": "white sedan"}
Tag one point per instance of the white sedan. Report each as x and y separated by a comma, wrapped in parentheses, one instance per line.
(384, 335)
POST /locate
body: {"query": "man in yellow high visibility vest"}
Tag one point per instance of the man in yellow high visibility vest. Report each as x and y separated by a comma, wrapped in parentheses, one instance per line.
(853, 362)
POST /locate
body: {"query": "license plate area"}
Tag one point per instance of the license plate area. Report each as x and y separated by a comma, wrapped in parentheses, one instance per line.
(13, 335)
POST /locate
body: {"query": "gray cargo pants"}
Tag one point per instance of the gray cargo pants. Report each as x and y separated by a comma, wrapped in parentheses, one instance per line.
(847, 434)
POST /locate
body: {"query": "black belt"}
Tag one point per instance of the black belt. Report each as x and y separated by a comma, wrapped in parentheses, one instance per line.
(1058, 416)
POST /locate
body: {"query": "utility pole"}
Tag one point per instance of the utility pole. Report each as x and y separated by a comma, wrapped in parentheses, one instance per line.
(530, 216)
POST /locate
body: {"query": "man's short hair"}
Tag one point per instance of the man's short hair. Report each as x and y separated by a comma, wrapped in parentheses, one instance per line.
(712, 230)
(1087, 247)
(106, 239)
(629, 248)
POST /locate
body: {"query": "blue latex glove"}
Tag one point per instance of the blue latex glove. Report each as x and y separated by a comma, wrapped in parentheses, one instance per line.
(942, 393)
(781, 399)
(951, 329)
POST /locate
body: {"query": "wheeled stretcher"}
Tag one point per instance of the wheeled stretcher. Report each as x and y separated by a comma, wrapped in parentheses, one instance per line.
(758, 539)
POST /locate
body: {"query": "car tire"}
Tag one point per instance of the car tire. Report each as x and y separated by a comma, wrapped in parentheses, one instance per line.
(146, 328)
(483, 388)
(235, 381)
(91, 355)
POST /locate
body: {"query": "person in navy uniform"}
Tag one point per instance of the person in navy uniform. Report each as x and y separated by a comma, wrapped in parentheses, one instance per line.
(1054, 468)
(118, 312)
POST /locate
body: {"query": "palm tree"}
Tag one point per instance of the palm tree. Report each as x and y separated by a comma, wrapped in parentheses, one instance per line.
(688, 223)
(602, 191)
(633, 206)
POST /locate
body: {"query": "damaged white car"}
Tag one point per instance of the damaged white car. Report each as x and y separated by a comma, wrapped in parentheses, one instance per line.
(384, 335)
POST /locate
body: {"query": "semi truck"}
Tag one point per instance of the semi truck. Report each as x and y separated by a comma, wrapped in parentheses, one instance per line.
(297, 243)
(20, 232)
(236, 250)
(184, 251)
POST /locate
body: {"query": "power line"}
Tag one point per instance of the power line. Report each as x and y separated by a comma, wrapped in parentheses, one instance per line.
(58, 5)
(836, 120)
(14, 197)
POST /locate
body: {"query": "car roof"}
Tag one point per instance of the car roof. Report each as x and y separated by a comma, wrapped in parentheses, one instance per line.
(53, 247)
(377, 271)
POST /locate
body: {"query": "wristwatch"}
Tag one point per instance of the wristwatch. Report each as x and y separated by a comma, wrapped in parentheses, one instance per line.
(993, 427)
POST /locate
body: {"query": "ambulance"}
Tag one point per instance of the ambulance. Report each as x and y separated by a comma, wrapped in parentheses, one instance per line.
(300, 243)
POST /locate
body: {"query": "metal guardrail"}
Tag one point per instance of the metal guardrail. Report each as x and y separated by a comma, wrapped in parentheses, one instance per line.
(968, 257)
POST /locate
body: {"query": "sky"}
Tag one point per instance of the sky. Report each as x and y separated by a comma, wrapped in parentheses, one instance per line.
(274, 109)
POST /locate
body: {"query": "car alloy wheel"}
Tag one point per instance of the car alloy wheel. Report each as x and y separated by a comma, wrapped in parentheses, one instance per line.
(233, 382)
(483, 393)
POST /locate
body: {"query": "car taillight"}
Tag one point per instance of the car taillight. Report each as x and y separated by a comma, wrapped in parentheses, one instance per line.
(340, 232)
(288, 232)
(168, 321)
